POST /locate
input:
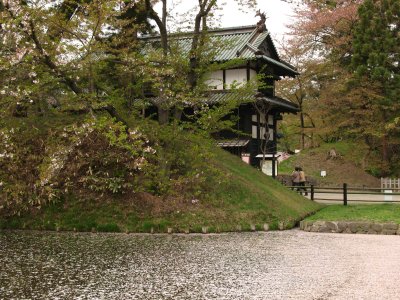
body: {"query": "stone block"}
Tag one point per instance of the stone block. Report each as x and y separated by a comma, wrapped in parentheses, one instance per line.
(333, 227)
(252, 227)
(281, 225)
(204, 229)
(360, 227)
(324, 228)
(341, 226)
(390, 226)
(266, 227)
(376, 227)
(347, 230)
(302, 225)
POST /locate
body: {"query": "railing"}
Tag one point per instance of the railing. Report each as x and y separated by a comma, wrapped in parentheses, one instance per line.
(347, 194)
(390, 183)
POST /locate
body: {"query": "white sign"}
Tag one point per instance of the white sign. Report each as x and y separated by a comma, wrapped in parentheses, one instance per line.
(388, 197)
(323, 173)
(266, 167)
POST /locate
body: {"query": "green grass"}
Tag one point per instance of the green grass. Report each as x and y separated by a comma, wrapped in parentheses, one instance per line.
(350, 167)
(246, 197)
(375, 213)
(343, 148)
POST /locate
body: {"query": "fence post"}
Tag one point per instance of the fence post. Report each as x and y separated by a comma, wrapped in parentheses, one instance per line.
(312, 192)
(344, 193)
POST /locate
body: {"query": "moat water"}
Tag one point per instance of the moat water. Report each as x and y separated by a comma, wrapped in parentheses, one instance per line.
(272, 265)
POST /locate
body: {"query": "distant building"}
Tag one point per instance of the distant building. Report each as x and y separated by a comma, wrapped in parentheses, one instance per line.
(255, 137)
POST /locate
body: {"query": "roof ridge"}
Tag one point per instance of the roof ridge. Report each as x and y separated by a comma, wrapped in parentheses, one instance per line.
(222, 30)
(251, 38)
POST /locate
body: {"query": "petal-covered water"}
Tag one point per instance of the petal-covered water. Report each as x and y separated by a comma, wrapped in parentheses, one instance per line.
(273, 265)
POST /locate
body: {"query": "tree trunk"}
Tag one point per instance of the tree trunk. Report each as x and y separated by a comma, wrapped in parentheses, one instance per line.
(163, 116)
(302, 134)
(385, 154)
(178, 113)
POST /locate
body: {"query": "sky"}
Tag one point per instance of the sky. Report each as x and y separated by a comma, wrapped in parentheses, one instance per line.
(278, 14)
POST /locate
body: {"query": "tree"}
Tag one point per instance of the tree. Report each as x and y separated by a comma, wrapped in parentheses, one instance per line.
(376, 58)
(302, 90)
(357, 76)
(191, 66)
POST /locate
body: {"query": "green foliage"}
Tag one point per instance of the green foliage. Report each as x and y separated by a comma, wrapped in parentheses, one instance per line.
(18, 161)
(180, 168)
(99, 155)
(59, 63)
(113, 157)
(376, 51)
(240, 195)
(351, 91)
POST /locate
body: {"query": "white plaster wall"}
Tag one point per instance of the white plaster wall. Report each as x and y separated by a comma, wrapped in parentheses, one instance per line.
(262, 131)
(236, 76)
(254, 131)
(262, 119)
(252, 73)
(215, 80)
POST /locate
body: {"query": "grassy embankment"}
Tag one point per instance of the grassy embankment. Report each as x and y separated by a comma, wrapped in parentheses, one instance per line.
(247, 197)
(380, 213)
(350, 167)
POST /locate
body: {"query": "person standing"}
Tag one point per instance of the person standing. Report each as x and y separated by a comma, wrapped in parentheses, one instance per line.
(296, 178)
(302, 181)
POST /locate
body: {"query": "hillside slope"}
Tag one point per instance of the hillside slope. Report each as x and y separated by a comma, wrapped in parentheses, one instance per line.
(346, 168)
(246, 197)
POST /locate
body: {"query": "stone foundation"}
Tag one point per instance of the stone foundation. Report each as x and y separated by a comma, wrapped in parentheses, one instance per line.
(350, 227)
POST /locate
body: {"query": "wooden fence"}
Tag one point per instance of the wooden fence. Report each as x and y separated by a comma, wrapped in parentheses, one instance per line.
(390, 183)
(346, 194)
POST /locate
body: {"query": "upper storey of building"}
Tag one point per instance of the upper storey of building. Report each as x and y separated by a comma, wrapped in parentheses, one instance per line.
(254, 52)
(250, 43)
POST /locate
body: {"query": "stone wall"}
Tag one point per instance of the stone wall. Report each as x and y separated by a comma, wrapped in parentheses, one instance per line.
(350, 227)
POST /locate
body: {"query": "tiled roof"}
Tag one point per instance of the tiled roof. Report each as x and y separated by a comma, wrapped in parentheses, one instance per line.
(221, 96)
(280, 64)
(236, 42)
(232, 143)
(275, 102)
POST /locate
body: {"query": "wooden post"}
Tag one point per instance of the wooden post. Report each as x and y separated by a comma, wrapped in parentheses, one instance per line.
(312, 192)
(345, 194)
